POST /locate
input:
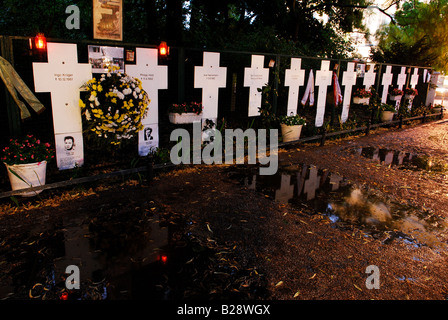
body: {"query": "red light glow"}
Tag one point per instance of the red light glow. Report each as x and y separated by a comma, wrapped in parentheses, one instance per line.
(164, 50)
(40, 42)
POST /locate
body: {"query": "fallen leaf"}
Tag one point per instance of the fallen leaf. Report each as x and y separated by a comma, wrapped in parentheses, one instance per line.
(209, 229)
(279, 283)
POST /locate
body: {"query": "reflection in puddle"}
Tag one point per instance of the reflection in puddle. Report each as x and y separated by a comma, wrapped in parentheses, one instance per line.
(401, 158)
(123, 252)
(347, 205)
(105, 247)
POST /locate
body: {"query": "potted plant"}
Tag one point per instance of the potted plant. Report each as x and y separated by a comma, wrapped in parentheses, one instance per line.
(26, 162)
(185, 112)
(410, 93)
(437, 108)
(114, 106)
(387, 112)
(361, 96)
(395, 94)
(291, 127)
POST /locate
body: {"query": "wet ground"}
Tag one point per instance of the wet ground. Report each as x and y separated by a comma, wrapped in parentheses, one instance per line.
(217, 232)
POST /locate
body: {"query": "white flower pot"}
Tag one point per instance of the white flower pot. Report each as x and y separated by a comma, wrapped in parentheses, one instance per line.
(409, 96)
(387, 116)
(184, 117)
(291, 133)
(394, 98)
(31, 175)
(359, 100)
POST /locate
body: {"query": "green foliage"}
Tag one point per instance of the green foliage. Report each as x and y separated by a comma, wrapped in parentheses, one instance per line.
(288, 27)
(160, 155)
(419, 37)
(292, 120)
(267, 114)
(387, 107)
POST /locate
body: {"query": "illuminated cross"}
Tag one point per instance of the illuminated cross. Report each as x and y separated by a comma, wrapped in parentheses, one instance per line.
(294, 78)
(348, 80)
(323, 80)
(153, 78)
(255, 77)
(386, 82)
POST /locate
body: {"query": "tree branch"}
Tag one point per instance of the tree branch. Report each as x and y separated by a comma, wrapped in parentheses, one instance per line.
(351, 6)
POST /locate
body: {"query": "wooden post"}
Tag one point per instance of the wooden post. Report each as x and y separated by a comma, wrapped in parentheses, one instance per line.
(324, 135)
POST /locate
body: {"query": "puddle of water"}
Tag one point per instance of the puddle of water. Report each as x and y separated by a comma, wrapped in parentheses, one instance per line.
(405, 159)
(122, 253)
(347, 205)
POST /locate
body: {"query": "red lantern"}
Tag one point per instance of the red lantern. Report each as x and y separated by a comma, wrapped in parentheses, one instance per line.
(40, 42)
(164, 50)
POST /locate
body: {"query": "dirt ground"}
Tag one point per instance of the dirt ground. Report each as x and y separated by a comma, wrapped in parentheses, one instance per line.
(279, 251)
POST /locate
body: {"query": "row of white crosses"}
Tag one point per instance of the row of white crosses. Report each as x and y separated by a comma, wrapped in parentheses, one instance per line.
(63, 76)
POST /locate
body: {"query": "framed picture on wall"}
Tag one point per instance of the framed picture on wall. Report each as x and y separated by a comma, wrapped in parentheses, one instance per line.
(108, 19)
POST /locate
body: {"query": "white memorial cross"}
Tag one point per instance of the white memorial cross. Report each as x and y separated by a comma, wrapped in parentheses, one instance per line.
(153, 78)
(414, 78)
(294, 78)
(323, 80)
(63, 76)
(369, 76)
(401, 80)
(413, 83)
(386, 82)
(255, 77)
(348, 80)
(210, 77)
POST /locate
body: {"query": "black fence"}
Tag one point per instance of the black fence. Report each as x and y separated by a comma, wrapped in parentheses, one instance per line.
(233, 99)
